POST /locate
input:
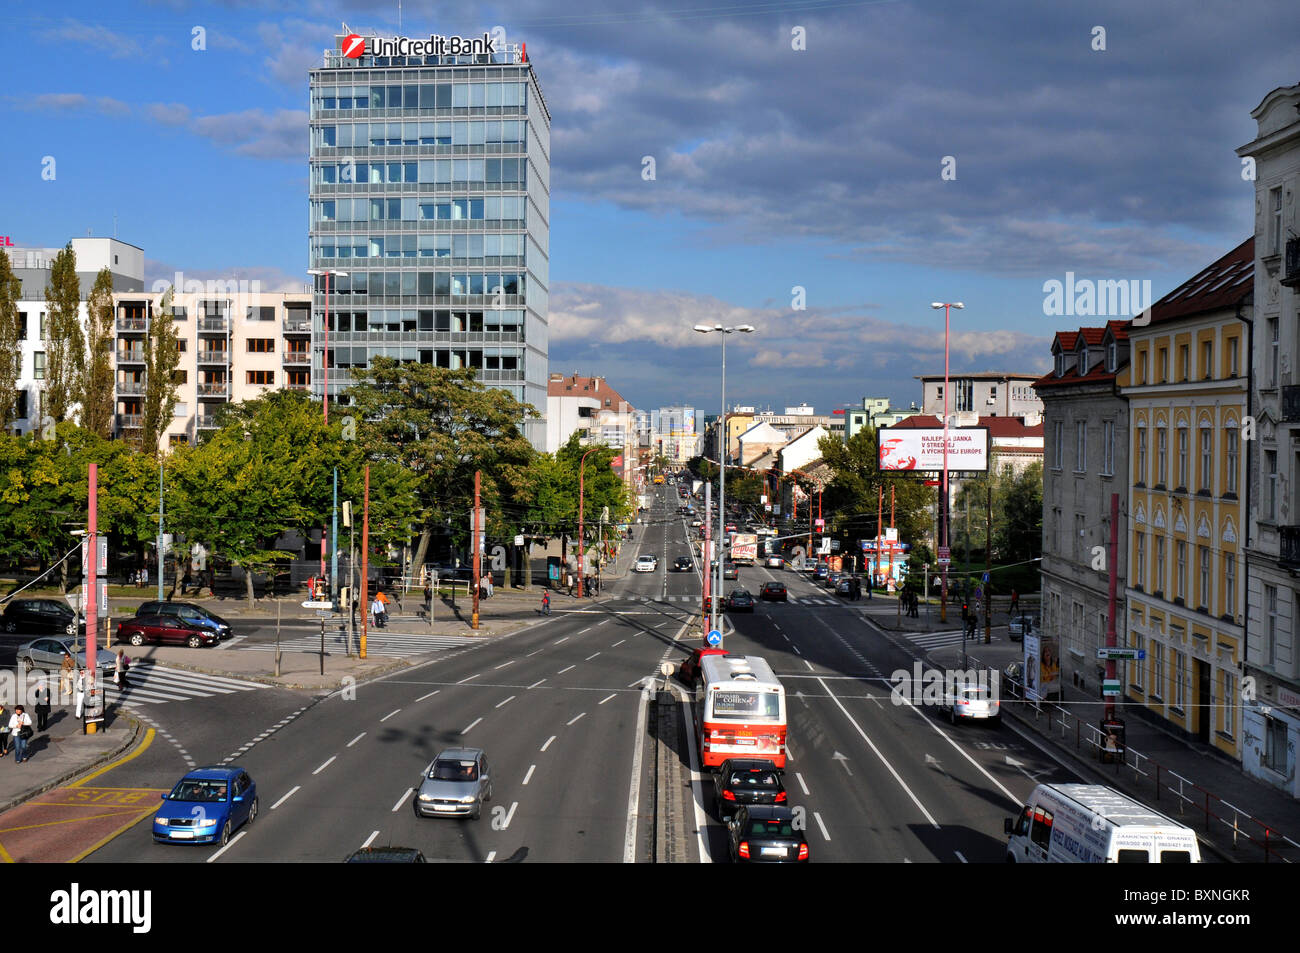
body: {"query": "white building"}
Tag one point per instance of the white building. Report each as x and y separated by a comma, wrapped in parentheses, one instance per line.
(987, 394)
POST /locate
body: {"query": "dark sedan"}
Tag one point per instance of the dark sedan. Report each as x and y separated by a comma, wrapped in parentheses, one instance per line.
(746, 781)
(190, 612)
(166, 630)
(683, 564)
(41, 616)
(740, 600)
(763, 834)
(774, 592)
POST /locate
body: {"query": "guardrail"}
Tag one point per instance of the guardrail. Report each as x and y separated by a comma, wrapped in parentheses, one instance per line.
(1145, 775)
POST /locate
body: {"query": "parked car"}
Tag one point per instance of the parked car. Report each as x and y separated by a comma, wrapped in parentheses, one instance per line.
(689, 670)
(457, 782)
(729, 570)
(820, 572)
(740, 600)
(206, 806)
(973, 703)
(683, 564)
(774, 562)
(188, 612)
(746, 781)
(41, 616)
(48, 654)
(165, 630)
(774, 592)
(646, 563)
(766, 834)
(848, 586)
(1021, 624)
(832, 579)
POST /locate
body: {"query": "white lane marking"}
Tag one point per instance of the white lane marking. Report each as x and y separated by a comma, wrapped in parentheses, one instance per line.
(506, 702)
(356, 739)
(810, 665)
(402, 799)
(548, 742)
(558, 641)
(233, 841)
(488, 859)
(466, 730)
(618, 643)
(818, 818)
(634, 790)
(528, 776)
(536, 683)
(531, 654)
(505, 821)
(879, 754)
(799, 777)
(563, 670)
(470, 678)
(602, 622)
(389, 715)
(370, 840)
(575, 719)
(962, 751)
(291, 793)
(430, 695)
(585, 631)
(960, 857)
(796, 651)
(504, 664)
(590, 657)
(701, 819)
(603, 700)
(640, 682)
(325, 765)
(784, 636)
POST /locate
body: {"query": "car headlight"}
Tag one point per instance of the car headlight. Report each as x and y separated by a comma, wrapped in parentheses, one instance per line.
(468, 800)
(205, 824)
(426, 797)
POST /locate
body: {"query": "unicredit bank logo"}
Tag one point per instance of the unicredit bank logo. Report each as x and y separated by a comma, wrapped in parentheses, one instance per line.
(354, 46)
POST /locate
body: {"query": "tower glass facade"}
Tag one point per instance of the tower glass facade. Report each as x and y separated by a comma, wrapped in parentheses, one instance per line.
(430, 188)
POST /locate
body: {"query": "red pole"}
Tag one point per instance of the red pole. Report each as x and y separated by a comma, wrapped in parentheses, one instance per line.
(478, 555)
(365, 563)
(91, 596)
(943, 500)
(325, 360)
(1113, 571)
(582, 551)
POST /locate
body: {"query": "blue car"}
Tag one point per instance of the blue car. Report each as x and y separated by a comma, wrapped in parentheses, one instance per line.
(205, 806)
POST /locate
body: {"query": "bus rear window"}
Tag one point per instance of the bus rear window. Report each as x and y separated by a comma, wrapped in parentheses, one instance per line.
(1133, 857)
(1175, 857)
(731, 704)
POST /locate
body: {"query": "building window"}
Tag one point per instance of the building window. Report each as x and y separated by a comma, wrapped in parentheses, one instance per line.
(1157, 656)
(1270, 634)
(1229, 701)
(261, 377)
(1057, 440)
(1083, 360)
(965, 396)
(38, 365)
(1233, 450)
(1207, 461)
(1108, 447)
(1234, 356)
(1182, 458)
(1229, 585)
(1158, 585)
(1182, 570)
(1275, 232)
(1080, 446)
(1164, 366)
(1112, 357)
(180, 376)
(1274, 753)
(1079, 527)
(1272, 352)
(1162, 456)
(1203, 553)
(1142, 456)
(1142, 366)
(1207, 360)
(1270, 494)
(1135, 641)
(1180, 677)
(261, 345)
(1140, 564)
(1182, 363)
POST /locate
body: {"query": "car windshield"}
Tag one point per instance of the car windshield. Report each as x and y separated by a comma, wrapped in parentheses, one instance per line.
(752, 779)
(198, 790)
(975, 692)
(454, 771)
(771, 827)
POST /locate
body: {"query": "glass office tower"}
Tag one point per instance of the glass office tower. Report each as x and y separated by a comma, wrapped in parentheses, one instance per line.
(430, 188)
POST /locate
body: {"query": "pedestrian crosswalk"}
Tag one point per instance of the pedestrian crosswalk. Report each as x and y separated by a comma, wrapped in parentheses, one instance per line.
(378, 642)
(151, 684)
(938, 640)
(808, 601)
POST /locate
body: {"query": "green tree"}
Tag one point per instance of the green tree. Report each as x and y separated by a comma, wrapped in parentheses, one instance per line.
(160, 358)
(851, 498)
(65, 349)
(10, 354)
(1022, 509)
(96, 396)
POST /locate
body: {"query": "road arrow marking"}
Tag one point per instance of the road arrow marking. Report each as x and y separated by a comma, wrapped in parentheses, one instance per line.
(1019, 766)
(845, 762)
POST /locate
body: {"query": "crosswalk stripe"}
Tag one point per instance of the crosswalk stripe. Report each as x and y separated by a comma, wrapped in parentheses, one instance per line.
(157, 684)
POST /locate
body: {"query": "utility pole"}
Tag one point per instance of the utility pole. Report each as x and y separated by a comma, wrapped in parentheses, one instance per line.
(988, 561)
(710, 617)
(473, 619)
(160, 530)
(880, 517)
(365, 565)
(1112, 570)
(91, 598)
(334, 541)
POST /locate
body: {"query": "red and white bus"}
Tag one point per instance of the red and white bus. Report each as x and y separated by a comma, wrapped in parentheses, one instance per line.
(739, 710)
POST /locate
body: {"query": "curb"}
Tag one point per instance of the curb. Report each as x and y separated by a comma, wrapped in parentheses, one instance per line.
(76, 772)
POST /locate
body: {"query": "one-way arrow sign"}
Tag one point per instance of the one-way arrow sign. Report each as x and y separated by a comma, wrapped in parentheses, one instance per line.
(844, 761)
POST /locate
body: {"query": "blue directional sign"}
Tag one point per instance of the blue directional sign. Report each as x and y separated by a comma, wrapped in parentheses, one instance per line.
(986, 577)
(714, 637)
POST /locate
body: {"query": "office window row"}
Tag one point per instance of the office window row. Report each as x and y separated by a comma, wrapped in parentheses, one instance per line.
(1191, 584)
(1205, 367)
(1205, 460)
(421, 96)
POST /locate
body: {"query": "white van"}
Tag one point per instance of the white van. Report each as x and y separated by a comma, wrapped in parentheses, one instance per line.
(1093, 824)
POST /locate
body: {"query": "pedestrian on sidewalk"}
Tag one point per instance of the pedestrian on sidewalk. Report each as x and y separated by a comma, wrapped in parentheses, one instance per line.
(186, 581)
(42, 705)
(377, 612)
(20, 730)
(4, 730)
(1015, 602)
(80, 684)
(66, 672)
(121, 665)
(546, 603)
(916, 605)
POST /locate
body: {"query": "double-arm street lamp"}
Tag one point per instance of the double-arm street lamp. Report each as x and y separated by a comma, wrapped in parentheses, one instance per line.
(722, 456)
(943, 503)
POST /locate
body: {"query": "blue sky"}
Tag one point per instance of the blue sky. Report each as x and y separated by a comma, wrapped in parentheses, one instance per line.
(775, 167)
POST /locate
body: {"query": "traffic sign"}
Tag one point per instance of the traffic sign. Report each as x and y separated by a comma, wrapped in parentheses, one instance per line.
(986, 577)
(1110, 688)
(1122, 654)
(714, 637)
(945, 556)
(311, 604)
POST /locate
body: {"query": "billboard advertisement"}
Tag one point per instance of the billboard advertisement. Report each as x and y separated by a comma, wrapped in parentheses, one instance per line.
(1042, 668)
(916, 448)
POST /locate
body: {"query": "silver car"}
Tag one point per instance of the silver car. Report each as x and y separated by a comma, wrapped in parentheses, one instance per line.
(48, 654)
(455, 784)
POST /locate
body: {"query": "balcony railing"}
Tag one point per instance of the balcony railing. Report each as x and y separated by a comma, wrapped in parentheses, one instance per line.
(297, 325)
(1290, 553)
(130, 421)
(130, 357)
(297, 357)
(213, 357)
(1291, 275)
(206, 422)
(130, 388)
(211, 325)
(130, 324)
(297, 387)
(215, 389)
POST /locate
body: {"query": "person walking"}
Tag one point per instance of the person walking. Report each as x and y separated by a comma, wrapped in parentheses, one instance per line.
(377, 611)
(488, 584)
(1015, 602)
(42, 705)
(4, 730)
(186, 581)
(546, 603)
(66, 672)
(80, 684)
(121, 665)
(20, 731)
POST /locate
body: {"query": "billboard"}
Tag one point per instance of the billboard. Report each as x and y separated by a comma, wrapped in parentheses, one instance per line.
(916, 448)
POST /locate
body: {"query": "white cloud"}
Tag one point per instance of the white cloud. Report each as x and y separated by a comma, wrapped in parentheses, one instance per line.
(116, 45)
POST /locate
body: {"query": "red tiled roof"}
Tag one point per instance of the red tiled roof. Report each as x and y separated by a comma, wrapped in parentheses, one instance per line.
(578, 385)
(1224, 284)
(1092, 335)
(998, 426)
(1118, 329)
(1097, 375)
(1067, 339)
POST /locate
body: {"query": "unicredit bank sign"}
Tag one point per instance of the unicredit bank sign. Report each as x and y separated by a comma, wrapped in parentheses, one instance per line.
(354, 46)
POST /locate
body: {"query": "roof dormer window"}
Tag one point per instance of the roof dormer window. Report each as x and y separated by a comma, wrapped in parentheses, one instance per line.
(1112, 356)
(1060, 364)
(1083, 360)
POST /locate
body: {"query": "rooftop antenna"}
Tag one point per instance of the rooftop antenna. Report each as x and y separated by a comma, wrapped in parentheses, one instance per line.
(399, 17)
(114, 225)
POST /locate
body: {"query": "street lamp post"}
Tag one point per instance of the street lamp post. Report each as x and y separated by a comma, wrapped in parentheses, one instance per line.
(722, 456)
(943, 520)
(325, 403)
(581, 542)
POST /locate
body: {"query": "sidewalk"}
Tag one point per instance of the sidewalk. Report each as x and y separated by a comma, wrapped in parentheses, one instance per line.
(1238, 818)
(62, 752)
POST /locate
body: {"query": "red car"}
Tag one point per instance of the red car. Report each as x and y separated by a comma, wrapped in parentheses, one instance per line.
(165, 629)
(689, 671)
